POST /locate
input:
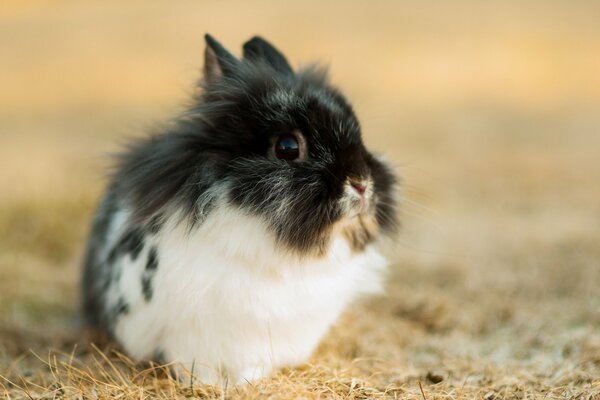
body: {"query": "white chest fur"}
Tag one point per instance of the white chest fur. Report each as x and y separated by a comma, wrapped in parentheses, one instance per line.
(229, 305)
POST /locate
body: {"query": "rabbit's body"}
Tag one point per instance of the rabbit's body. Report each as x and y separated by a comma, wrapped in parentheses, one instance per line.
(230, 242)
(223, 300)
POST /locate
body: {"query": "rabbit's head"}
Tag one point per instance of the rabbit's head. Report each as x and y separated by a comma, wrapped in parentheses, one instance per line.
(296, 157)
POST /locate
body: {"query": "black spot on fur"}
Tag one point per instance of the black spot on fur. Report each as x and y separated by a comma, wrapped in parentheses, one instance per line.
(122, 307)
(112, 316)
(132, 243)
(152, 263)
(148, 274)
(147, 290)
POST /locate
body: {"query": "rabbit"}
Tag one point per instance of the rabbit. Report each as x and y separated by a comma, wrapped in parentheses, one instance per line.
(229, 242)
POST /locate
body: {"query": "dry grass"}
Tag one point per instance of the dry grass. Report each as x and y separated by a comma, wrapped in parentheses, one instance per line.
(491, 112)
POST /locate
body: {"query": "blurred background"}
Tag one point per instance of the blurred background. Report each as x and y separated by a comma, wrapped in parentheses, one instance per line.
(489, 110)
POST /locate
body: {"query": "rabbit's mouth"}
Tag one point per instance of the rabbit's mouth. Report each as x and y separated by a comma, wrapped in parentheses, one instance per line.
(359, 230)
(358, 223)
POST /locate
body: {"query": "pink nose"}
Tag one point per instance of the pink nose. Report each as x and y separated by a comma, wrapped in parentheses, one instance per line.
(360, 187)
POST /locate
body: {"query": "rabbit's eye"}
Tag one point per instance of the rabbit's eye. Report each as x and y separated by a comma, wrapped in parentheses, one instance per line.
(286, 147)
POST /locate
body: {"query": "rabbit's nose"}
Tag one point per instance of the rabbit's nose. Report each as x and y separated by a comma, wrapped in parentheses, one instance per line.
(359, 185)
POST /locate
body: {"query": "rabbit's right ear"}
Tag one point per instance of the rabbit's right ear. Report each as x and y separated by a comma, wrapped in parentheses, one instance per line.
(258, 48)
(217, 60)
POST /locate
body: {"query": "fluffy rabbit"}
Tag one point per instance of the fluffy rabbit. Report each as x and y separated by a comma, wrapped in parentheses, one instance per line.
(231, 241)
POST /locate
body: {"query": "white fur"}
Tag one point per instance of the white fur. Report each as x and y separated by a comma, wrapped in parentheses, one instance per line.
(231, 306)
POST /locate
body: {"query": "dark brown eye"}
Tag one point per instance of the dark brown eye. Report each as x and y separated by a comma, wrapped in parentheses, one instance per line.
(287, 147)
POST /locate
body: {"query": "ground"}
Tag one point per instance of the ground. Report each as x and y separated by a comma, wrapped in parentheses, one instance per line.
(491, 114)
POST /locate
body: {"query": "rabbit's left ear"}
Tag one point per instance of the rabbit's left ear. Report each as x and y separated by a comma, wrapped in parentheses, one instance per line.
(217, 60)
(259, 49)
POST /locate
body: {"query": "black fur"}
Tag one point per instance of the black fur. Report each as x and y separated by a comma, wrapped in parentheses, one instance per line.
(257, 49)
(132, 243)
(97, 275)
(148, 275)
(102, 272)
(121, 308)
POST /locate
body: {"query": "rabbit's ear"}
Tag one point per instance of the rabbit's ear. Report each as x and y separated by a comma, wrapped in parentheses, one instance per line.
(217, 60)
(259, 49)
